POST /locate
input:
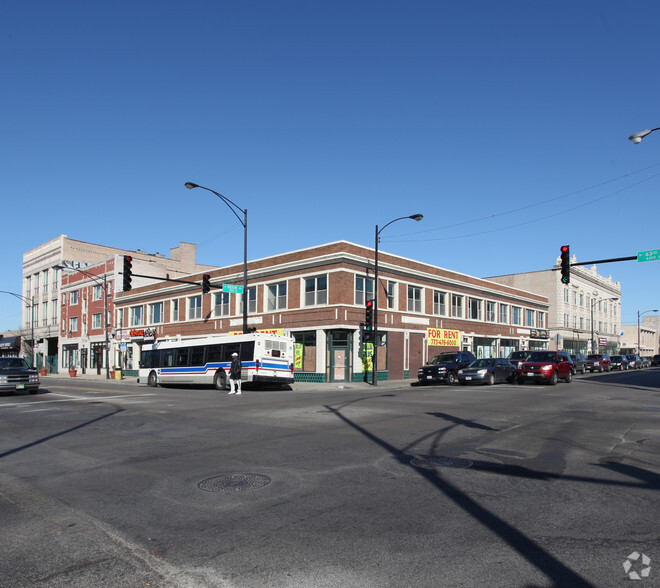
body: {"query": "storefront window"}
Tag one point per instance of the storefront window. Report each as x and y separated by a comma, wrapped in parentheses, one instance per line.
(305, 351)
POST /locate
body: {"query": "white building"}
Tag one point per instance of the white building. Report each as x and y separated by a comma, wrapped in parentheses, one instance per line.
(588, 308)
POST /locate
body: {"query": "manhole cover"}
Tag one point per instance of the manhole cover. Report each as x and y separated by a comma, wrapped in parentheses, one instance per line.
(228, 483)
(430, 461)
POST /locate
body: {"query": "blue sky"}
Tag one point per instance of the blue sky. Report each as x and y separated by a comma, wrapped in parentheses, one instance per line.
(504, 123)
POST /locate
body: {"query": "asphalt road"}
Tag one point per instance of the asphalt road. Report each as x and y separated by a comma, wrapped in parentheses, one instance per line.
(115, 484)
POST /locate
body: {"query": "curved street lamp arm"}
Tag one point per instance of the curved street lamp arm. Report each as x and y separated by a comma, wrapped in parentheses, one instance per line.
(230, 204)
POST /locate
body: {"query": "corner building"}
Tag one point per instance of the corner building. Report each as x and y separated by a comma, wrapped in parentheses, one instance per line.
(318, 296)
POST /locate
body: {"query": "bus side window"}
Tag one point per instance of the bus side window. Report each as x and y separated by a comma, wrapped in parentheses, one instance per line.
(197, 355)
(231, 348)
(247, 351)
(168, 358)
(214, 354)
(182, 356)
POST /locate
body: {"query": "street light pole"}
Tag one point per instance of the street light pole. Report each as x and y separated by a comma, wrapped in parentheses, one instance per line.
(234, 208)
(31, 303)
(639, 331)
(417, 218)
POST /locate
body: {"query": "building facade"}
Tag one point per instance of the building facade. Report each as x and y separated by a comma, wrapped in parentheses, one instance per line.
(642, 338)
(585, 315)
(42, 281)
(318, 296)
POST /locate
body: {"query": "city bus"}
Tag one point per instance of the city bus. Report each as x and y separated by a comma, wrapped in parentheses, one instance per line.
(265, 359)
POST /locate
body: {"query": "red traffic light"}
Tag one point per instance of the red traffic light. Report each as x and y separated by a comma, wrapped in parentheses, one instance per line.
(370, 303)
(564, 248)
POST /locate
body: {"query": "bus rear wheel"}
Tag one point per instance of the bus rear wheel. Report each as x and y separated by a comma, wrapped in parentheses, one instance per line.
(220, 381)
(152, 380)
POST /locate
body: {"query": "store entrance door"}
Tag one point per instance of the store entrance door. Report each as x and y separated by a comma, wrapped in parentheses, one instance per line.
(339, 348)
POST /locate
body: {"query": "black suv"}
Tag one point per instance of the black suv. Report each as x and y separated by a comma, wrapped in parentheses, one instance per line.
(517, 358)
(579, 363)
(444, 367)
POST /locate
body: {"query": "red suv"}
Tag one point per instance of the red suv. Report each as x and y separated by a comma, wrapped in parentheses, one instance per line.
(598, 362)
(546, 366)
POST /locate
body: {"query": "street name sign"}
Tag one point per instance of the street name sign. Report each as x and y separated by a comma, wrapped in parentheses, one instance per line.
(651, 255)
(232, 288)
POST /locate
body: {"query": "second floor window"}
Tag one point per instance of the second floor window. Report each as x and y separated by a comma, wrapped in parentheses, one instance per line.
(530, 318)
(504, 313)
(277, 296)
(316, 291)
(194, 308)
(414, 299)
(252, 300)
(221, 304)
(136, 317)
(364, 290)
(456, 306)
(475, 309)
(174, 307)
(73, 324)
(74, 297)
(391, 295)
(439, 303)
(490, 312)
(156, 313)
(96, 321)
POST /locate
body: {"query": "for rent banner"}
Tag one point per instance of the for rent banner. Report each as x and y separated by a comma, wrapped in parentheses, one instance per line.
(443, 338)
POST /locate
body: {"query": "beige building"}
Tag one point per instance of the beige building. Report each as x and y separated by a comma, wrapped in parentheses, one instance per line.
(642, 338)
(584, 315)
(42, 282)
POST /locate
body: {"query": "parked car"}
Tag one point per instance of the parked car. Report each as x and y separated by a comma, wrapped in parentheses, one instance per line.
(598, 362)
(16, 374)
(619, 362)
(518, 357)
(646, 362)
(655, 360)
(488, 371)
(579, 363)
(634, 360)
(444, 367)
(546, 366)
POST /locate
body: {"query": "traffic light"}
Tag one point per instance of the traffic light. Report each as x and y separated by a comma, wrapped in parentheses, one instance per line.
(565, 265)
(369, 322)
(128, 275)
(206, 283)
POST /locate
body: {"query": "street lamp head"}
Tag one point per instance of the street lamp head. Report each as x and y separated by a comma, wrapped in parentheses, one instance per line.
(190, 185)
(417, 217)
(637, 137)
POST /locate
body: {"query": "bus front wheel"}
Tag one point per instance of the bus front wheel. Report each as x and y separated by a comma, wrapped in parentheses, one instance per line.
(220, 381)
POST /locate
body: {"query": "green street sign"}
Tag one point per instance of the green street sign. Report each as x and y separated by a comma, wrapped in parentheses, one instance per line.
(232, 288)
(651, 255)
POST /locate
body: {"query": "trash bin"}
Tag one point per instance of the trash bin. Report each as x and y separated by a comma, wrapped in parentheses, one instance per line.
(117, 374)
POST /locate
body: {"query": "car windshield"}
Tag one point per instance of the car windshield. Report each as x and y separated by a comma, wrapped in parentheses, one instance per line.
(616, 357)
(594, 357)
(518, 355)
(542, 356)
(481, 363)
(444, 358)
(12, 363)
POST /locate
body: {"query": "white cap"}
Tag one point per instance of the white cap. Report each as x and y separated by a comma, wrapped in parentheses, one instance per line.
(234, 354)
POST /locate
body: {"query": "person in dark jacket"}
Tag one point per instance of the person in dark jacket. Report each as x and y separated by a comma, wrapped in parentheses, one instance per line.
(235, 375)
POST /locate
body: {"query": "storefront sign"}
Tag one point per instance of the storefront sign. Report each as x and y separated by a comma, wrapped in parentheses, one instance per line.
(298, 361)
(443, 337)
(269, 331)
(540, 333)
(146, 334)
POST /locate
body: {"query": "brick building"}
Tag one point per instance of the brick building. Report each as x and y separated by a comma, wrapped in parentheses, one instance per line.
(318, 296)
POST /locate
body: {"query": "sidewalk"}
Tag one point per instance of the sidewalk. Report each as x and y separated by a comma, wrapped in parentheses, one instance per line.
(297, 386)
